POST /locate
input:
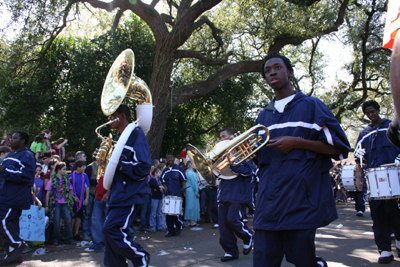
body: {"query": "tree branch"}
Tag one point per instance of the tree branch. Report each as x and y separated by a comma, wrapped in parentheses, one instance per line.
(214, 29)
(154, 3)
(202, 58)
(285, 39)
(117, 18)
(146, 12)
(168, 19)
(200, 89)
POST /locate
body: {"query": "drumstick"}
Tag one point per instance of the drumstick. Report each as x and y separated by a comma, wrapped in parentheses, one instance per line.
(361, 158)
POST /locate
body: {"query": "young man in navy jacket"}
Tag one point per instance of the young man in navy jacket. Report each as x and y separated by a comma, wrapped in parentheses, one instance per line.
(374, 146)
(233, 195)
(17, 174)
(174, 180)
(130, 186)
(295, 195)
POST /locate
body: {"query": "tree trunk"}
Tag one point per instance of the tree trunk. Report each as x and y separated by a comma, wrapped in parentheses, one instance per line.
(160, 90)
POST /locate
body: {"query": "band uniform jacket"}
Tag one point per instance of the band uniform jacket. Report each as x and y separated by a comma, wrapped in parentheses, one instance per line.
(130, 184)
(239, 189)
(17, 178)
(295, 189)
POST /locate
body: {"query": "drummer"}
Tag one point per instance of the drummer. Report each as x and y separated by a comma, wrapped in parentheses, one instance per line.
(174, 181)
(374, 147)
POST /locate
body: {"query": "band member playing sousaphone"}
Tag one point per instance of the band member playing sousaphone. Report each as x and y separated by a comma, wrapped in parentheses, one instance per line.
(129, 187)
(374, 146)
(233, 195)
(125, 162)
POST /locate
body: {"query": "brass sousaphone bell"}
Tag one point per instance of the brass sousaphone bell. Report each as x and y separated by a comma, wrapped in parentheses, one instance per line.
(228, 152)
(121, 83)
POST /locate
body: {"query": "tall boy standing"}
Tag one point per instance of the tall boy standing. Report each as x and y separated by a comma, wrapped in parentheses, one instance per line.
(295, 195)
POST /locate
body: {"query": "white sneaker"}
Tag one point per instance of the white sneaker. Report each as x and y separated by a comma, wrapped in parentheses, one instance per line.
(89, 249)
(360, 213)
(215, 226)
(245, 220)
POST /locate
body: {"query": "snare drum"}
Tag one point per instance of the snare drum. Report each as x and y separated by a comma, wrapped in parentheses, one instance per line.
(383, 182)
(172, 205)
(352, 178)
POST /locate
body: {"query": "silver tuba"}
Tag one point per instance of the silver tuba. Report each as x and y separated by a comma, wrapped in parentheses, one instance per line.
(121, 83)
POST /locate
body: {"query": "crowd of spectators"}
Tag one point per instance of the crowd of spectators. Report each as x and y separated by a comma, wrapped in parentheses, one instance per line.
(74, 198)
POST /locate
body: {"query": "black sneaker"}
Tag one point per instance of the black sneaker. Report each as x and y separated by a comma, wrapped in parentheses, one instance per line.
(228, 257)
(385, 260)
(321, 262)
(14, 255)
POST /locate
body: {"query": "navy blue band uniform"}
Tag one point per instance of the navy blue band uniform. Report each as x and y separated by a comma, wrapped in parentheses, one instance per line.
(16, 181)
(385, 213)
(173, 177)
(129, 187)
(233, 195)
(294, 191)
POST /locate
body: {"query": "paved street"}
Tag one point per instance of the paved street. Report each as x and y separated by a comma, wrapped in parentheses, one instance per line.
(348, 241)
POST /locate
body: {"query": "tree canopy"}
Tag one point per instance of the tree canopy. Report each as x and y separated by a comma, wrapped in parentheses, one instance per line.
(201, 52)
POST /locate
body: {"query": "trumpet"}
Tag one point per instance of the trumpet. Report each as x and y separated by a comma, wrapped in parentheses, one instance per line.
(226, 153)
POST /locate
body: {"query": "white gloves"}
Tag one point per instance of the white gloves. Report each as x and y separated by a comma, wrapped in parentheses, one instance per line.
(359, 153)
(397, 160)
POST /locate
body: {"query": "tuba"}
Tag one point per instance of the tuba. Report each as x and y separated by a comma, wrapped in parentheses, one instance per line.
(121, 83)
(228, 152)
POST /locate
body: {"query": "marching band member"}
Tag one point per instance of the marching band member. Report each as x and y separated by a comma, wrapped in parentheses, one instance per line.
(233, 195)
(295, 195)
(377, 150)
(17, 174)
(174, 181)
(130, 186)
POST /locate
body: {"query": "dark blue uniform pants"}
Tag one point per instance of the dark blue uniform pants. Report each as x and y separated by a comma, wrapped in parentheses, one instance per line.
(119, 239)
(174, 223)
(386, 217)
(212, 205)
(297, 245)
(359, 198)
(9, 230)
(230, 227)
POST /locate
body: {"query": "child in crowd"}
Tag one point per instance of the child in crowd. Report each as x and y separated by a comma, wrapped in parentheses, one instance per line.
(60, 199)
(80, 184)
(157, 189)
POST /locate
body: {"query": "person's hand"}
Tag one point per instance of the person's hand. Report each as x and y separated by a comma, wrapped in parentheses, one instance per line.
(39, 205)
(397, 160)
(359, 152)
(104, 199)
(86, 202)
(283, 143)
(76, 200)
(46, 210)
(198, 195)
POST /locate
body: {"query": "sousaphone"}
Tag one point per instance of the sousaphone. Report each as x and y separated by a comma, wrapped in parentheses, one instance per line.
(122, 83)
